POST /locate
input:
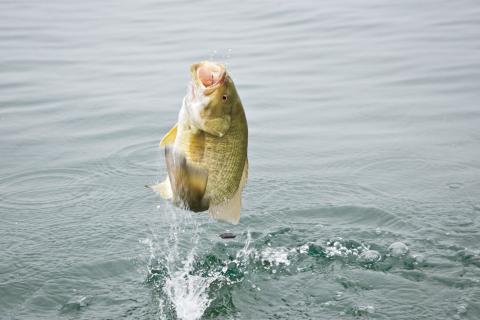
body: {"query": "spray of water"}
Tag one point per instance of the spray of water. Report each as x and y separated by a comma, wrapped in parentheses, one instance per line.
(186, 291)
(183, 291)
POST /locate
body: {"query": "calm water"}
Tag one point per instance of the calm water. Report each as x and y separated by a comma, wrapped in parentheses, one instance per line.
(363, 199)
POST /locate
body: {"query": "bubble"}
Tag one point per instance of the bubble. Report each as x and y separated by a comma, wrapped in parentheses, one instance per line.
(303, 249)
(363, 310)
(369, 256)
(462, 308)
(454, 185)
(419, 258)
(75, 303)
(341, 248)
(275, 256)
(398, 249)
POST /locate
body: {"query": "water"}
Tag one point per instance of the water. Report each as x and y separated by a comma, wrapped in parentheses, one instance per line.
(364, 186)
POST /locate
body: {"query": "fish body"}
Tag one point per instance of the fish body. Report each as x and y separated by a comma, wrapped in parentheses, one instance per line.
(206, 151)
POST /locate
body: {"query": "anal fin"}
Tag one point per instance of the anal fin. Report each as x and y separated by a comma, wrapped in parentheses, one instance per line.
(164, 189)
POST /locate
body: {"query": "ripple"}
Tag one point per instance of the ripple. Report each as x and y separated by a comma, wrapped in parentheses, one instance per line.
(416, 178)
(454, 185)
(44, 188)
(302, 193)
(142, 159)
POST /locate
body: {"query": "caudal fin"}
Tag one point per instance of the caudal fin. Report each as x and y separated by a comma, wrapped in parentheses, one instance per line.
(229, 211)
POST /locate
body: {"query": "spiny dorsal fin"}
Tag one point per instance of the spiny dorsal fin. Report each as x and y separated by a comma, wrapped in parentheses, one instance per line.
(169, 138)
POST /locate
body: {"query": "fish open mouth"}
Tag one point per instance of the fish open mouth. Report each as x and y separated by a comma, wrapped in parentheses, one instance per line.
(209, 74)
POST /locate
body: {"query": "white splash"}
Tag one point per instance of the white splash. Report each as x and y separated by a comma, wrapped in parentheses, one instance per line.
(275, 256)
(337, 248)
(370, 256)
(188, 292)
(181, 289)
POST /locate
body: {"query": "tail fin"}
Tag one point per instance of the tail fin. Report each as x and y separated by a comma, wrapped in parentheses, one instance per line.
(229, 211)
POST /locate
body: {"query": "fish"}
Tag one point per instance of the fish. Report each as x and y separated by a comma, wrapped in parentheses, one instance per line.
(206, 150)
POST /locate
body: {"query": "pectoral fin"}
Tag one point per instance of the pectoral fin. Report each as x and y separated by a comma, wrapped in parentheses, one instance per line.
(229, 211)
(169, 138)
(188, 181)
(218, 126)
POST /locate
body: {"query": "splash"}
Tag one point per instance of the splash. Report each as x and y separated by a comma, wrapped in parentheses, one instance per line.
(188, 292)
(182, 293)
(274, 256)
(183, 286)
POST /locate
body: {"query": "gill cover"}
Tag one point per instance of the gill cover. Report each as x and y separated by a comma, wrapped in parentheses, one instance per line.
(207, 100)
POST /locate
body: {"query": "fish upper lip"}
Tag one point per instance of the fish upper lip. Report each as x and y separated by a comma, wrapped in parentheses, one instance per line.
(203, 69)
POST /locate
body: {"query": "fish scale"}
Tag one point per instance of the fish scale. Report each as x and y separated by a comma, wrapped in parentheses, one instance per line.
(206, 151)
(224, 157)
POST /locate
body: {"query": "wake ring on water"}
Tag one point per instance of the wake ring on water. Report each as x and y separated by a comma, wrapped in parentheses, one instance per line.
(137, 159)
(44, 188)
(405, 178)
(266, 195)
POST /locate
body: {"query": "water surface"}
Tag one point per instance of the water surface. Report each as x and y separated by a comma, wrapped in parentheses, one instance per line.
(364, 186)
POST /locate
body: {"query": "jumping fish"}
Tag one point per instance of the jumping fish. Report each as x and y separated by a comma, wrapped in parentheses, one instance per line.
(206, 151)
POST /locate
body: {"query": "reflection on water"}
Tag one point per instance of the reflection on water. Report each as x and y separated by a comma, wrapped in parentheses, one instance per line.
(362, 199)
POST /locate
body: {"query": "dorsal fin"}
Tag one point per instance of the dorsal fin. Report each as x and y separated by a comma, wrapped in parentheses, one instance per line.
(169, 138)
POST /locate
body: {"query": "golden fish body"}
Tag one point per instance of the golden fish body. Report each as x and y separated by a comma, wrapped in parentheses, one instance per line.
(206, 152)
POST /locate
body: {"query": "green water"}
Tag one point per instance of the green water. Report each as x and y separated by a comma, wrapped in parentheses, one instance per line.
(363, 198)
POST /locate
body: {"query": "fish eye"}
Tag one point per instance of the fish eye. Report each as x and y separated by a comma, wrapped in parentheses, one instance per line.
(224, 98)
